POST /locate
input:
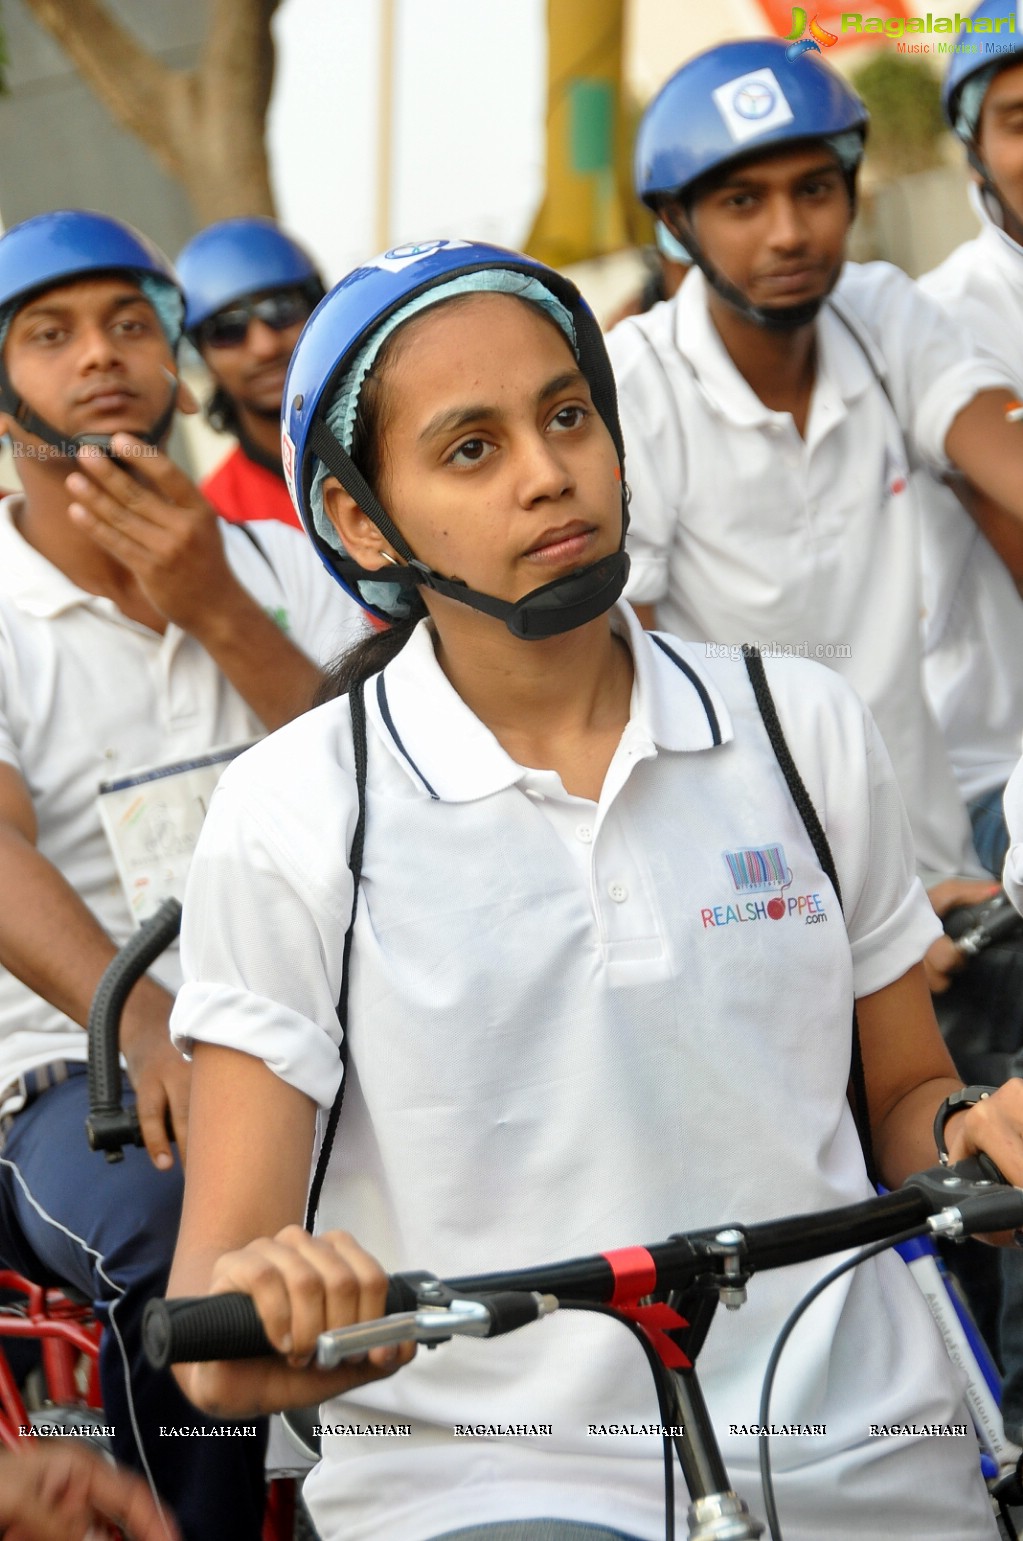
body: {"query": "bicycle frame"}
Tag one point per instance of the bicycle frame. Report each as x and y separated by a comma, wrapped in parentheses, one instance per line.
(68, 1335)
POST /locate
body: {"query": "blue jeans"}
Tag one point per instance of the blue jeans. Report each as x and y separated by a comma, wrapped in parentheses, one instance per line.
(67, 1216)
(990, 835)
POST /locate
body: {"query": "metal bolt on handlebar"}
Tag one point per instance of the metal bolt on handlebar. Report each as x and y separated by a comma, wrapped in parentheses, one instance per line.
(732, 1292)
(722, 1517)
(948, 1223)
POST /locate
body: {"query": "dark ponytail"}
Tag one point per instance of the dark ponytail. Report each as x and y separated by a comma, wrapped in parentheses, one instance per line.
(370, 655)
(221, 413)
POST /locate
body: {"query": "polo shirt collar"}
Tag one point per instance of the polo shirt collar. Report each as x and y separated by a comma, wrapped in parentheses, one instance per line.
(842, 365)
(447, 751)
(29, 580)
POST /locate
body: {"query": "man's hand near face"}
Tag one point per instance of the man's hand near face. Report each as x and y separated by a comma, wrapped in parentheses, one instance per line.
(154, 522)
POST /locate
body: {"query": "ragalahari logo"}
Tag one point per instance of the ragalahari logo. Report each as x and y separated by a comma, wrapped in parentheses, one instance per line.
(818, 37)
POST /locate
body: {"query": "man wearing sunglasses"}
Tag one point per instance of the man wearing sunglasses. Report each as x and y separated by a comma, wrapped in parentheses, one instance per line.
(249, 290)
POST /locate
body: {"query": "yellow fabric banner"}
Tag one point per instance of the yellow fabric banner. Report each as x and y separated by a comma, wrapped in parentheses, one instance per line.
(589, 207)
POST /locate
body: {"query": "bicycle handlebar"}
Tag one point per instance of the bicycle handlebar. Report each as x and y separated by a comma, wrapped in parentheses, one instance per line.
(965, 1198)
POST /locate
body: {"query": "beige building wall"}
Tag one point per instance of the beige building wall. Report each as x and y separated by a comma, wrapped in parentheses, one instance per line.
(662, 34)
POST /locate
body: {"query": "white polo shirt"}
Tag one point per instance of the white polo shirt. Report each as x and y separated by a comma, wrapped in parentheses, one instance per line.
(574, 1026)
(743, 531)
(973, 628)
(87, 696)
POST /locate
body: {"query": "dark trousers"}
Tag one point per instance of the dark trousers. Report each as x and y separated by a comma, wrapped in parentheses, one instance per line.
(990, 835)
(981, 1018)
(67, 1216)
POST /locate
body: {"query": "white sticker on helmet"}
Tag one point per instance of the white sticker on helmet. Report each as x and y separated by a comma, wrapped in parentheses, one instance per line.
(288, 463)
(752, 104)
(400, 257)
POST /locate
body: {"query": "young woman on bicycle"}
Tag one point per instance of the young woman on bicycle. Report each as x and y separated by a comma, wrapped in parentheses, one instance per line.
(598, 987)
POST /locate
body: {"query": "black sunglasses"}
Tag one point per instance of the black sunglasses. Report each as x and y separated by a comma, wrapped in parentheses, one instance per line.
(228, 328)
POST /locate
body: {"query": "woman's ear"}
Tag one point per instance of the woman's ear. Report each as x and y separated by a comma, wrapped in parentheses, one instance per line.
(356, 531)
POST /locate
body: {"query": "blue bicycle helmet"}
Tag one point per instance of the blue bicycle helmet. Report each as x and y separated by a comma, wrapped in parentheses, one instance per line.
(238, 257)
(56, 248)
(965, 86)
(336, 336)
(733, 103)
(963, 114)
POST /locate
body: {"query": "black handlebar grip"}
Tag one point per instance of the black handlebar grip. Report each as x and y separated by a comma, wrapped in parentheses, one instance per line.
(205, 1327)
(1001, 1210)
(201, 1327)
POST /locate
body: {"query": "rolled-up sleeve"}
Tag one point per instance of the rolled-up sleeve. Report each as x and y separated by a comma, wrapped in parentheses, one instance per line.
(890, 919)
(934, 367)
(265, 915)
(849, 776)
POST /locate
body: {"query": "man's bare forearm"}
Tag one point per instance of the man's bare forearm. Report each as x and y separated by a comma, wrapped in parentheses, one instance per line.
(51, 941)
(268, 671)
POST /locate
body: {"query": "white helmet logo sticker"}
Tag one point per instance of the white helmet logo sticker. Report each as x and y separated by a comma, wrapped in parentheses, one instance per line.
(400, 257)
(752, 104)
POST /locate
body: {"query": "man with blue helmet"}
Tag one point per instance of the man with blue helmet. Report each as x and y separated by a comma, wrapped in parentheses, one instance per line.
(775, 411)
(249, 289)
(138, 634)
(973, 617)
(493, 861)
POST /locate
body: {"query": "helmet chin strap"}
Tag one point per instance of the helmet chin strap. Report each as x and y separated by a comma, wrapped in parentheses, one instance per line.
(556, 607)
(69, 444)
(549, 611)
(771, 318)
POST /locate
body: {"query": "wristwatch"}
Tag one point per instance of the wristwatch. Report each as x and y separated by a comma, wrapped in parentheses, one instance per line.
(965, 1097)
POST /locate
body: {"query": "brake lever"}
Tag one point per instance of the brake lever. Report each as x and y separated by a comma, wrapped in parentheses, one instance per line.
(456, 1318)
(969, 1197)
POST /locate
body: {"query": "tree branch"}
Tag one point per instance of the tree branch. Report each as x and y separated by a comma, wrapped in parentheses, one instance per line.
(132, 85)
(238, 56)
(205, 126)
